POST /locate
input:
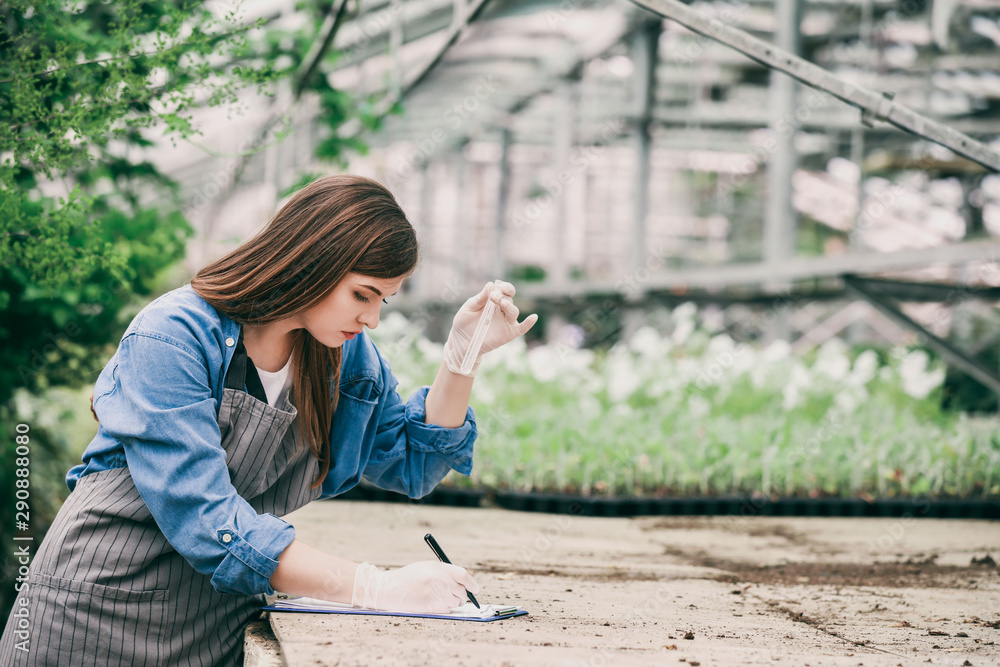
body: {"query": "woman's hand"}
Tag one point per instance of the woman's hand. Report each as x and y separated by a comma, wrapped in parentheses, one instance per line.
(424, 587)
(503, 328)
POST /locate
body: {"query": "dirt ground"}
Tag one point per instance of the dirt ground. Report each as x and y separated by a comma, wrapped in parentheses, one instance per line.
(667, 590)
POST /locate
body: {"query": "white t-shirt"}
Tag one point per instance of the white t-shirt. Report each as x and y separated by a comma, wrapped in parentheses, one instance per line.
(276, 384)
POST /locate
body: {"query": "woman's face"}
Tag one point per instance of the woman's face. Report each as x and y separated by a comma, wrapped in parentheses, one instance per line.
(352, 305)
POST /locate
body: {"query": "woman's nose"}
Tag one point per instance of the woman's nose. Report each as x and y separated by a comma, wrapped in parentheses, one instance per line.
(369, 318)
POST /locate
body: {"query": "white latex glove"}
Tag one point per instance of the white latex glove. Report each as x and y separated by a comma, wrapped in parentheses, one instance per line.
(503, 328)
(424, 587)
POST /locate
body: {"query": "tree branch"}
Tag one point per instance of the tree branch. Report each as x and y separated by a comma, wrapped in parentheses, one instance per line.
(320, 48)
(331, 24)
(214, 37)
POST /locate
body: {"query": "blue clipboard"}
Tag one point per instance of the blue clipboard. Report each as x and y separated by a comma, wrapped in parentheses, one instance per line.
(324, 607)
(373, 612)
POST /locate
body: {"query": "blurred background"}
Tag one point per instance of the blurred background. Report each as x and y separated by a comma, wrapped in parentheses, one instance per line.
(745, 285)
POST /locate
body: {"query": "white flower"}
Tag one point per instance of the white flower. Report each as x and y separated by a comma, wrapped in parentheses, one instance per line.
(621, 376)
(719, 361)
(720, 345)
(792, 398)
(485, 393)
(917, 381)
(684, 312)
(394, 326)
(759, 375)
(543, 362)
(684, 322)
(558, 361)
(686, 370)
(746, 358)
(846, 401)
(832, 360)
(770, 364)
(682, 332)
(865, 367)
(798, 381)
(658, 388)
(432, 352)
(622, 384)
(576, 361)
(647, 342)
(512, 356)
(698, 406)
(776, 351)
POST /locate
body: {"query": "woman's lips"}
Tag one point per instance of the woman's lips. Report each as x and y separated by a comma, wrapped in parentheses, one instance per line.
(349, 335)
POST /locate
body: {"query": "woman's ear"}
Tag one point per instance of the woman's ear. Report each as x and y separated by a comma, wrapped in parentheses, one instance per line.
(92, 408)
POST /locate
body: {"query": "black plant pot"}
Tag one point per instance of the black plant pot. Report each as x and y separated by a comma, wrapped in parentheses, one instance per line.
(748, 506)
(439, 496)
(557, 503)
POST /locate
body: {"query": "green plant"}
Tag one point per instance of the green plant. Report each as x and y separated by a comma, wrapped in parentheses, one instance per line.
(690, 413)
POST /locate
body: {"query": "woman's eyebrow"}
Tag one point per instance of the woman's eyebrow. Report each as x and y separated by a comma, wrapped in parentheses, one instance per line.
(373, 289)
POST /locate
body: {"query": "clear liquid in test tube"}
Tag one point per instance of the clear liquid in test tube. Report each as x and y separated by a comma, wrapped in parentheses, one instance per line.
(479, 335)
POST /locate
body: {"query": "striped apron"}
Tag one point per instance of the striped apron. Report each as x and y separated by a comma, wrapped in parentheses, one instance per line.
(106, 588)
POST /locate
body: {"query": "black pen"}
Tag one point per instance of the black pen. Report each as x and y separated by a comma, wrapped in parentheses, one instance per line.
(436, 548)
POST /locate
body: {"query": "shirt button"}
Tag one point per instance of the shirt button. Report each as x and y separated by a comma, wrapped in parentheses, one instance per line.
(230, 342)
(227, 538)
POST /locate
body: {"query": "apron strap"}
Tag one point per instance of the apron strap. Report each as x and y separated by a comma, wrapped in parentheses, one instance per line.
(242, 374)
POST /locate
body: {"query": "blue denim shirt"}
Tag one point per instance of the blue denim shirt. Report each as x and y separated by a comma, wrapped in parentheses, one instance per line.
(158, 402)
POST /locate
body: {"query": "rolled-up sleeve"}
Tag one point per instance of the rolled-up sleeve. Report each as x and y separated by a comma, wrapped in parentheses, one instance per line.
(162, 410)
(411, 456)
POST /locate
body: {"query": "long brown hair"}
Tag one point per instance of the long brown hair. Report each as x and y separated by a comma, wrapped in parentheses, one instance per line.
(334, 226)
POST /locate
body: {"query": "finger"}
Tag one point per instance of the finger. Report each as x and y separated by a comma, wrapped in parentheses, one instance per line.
(452, 596)
(507, 288)
(462, 576)
(528, 322)
(479, 301)
(509, 310)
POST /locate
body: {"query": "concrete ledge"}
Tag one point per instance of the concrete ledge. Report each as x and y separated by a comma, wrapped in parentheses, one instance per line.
(664, 590)
(260, 646)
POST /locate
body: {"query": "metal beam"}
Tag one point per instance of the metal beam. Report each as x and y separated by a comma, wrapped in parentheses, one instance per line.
(800, 268)
(644, 45)
(723, 116)
(385, 105)
(558, 68)
(902, 291)
(563, 135)
(956, 357)
(780, 218)
(368, 34)
(576, 303)
(503, 197)
(873, 105)
(943, 293)
(457, 28)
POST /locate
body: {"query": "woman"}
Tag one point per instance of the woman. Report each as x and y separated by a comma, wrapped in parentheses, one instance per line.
(229, 403)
